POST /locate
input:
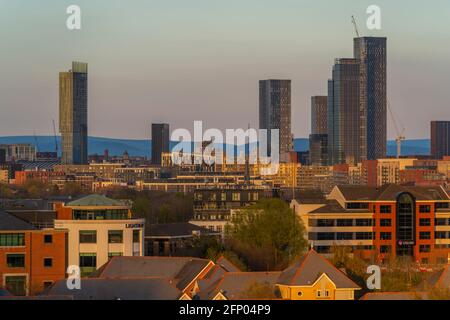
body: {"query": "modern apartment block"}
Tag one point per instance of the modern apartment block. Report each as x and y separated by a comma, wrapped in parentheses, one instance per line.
(275, 111)
(357, 104)
(98, 229)
(372, 55)
(73, 114)
(160, 142)
(380, 223)
(344, 121)
(318, 140)
(440, 139)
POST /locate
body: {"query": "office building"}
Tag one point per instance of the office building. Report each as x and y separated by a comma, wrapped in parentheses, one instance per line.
(73, 114)
(98, 229)
(380, 223)
(160, 142)
(371, 53)
(275, 112)
(344, 121)
(440, 139)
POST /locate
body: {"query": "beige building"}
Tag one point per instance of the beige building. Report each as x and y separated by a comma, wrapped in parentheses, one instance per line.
(99, 228)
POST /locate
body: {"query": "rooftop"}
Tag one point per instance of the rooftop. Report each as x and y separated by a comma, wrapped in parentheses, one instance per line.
(95, 200)
(8, 222)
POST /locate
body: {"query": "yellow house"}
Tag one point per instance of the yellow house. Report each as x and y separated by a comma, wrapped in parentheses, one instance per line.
(315, 278)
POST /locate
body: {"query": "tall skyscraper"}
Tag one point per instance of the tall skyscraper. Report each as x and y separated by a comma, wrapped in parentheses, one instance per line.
(319, 107)
(440, 139)
(318, 140)
(160, 141)
(275, 111)
(371, 52)
(344, 122)
(73, 115)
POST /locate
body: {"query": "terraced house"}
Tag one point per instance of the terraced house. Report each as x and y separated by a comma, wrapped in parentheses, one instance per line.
(380, 222)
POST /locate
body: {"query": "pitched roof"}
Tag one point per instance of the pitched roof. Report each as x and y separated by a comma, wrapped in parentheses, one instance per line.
(309, 268)
(95, 200)
(8, 222)
(395, 296)
(118, 289)
(233, 285)
(227, 265)
(391, 191)
(332, 206)
(182, 270)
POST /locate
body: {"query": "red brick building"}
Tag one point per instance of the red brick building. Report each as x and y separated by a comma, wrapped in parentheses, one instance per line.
(31, 258)
(380, 223)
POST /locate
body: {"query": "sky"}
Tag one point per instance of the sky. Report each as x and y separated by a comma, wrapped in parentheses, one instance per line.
(178, 61)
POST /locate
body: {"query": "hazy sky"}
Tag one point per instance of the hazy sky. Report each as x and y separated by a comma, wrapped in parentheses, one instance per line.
(178, 61)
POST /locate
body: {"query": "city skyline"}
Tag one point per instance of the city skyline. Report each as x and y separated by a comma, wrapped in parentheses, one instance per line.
(157, 87)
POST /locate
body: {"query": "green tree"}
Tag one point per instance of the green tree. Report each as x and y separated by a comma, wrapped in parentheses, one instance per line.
(267, 235)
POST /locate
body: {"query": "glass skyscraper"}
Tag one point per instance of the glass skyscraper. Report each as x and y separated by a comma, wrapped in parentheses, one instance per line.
(371, 52)
(73, 104)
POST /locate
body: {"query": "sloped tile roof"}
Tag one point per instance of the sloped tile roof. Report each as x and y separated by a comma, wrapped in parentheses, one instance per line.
(309, 268)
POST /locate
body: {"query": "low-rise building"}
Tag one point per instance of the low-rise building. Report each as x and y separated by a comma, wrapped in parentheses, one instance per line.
(380, 223)
(98, 229)
(32, 258)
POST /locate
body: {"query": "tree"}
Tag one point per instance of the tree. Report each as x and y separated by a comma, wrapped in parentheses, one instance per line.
(267, 235)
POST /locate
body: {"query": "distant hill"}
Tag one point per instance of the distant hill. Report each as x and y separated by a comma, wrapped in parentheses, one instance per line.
(143, 147)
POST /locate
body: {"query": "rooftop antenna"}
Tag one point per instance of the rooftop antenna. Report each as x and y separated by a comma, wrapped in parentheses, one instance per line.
(355, 25)
(36, 141)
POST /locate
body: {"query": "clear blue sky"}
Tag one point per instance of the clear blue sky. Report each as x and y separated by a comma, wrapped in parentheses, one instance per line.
(178, 61)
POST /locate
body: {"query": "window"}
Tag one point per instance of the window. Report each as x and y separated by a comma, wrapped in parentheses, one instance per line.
(115, 236)
(424, 248)
(424, 208)
(425, 235)
(136, 236)
(16, 260)
(344, 236)
(223, 196)
(344, 222)
(88, 263)
(440, 235)
(385, 209)
(47, 284)
(385, 222)
(425, 222)
(236, 196)
(325, 236)
(48, 238)
(385, 236)
(364, 236)
(114, 254)
(357, 205)
(12, 240)
(48, 262)
(325, 223)
(440, 221)
(385, 249)
(88, 236)
(17, 285)
(364, 222)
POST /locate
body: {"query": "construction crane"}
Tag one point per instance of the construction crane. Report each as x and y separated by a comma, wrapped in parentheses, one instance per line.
(355, 25)
(54, 134)
(400, 132)
(36, 141)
